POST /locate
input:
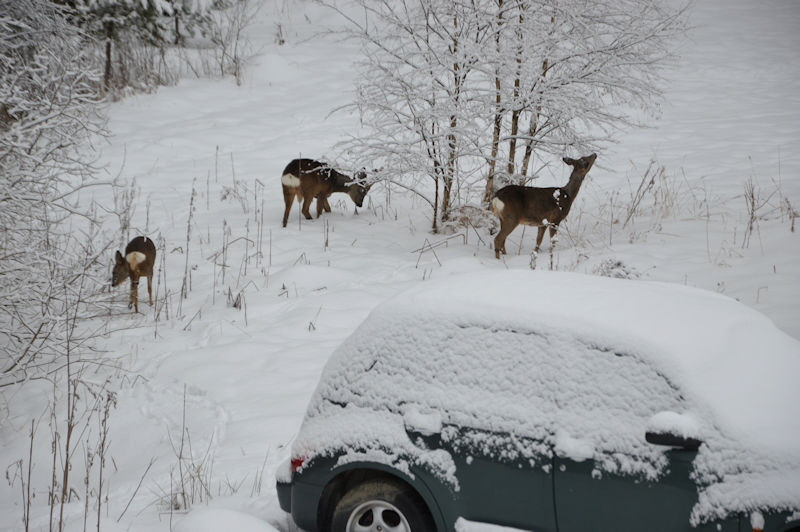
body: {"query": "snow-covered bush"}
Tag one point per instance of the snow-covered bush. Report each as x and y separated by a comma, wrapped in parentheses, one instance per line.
(52, 262)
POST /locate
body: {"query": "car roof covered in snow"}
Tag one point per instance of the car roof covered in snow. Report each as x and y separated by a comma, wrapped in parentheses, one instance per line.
(733, 357)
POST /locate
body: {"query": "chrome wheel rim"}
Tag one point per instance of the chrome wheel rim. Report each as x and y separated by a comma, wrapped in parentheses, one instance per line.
(377, 516)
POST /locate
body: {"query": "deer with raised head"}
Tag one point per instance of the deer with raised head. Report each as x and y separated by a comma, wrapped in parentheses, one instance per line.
(308, 179)
(544, 207)
(140, 256)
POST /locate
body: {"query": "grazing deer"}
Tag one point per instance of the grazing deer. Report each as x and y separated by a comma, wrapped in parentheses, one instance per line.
(140, 256)
(539, 206)
(308, 179)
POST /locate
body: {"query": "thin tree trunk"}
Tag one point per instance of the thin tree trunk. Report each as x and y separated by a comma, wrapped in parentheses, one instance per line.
(534, 125)
(498, 121)
(434, 154)
(177, 27)
(435, 227)
(452, 153)
(449, 171)
(107, 73)
(532, 130)
(498, 115)
(515, 114)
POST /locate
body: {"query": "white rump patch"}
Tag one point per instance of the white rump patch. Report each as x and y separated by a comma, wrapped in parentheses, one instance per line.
(498, 205)
(135, 258)
(290, 180)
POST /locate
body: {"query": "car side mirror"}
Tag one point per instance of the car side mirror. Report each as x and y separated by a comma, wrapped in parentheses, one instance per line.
(672, 440)
(673, 429)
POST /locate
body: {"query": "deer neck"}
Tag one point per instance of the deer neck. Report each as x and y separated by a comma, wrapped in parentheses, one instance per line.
(340, 182)
(573, 185)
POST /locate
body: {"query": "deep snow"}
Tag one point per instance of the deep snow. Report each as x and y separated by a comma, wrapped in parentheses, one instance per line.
(244, 377)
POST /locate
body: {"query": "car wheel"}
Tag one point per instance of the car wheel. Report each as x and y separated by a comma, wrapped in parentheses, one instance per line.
(381, 505)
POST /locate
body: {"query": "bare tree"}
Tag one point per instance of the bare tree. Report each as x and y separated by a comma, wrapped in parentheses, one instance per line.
(49, 114)
(228, 32)
(413, 97)
(461, 90)
(577, 72)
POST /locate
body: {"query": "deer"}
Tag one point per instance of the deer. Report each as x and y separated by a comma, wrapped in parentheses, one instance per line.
(542, 207)
(308, 179)
(140, 256)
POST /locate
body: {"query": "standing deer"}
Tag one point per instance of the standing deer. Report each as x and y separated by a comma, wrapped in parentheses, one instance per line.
(140, 256)
(538, 206)
(308, 179)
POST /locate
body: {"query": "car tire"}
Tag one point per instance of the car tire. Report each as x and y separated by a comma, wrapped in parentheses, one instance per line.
(381, 504)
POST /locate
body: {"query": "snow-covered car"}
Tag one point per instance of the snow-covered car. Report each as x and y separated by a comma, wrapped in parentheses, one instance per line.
(551, 401)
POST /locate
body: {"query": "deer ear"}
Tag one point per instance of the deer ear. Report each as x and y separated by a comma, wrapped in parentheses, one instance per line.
(118, 258)
(569, 161)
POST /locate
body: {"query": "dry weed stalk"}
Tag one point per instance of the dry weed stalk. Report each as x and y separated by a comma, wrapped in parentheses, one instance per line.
(186, 285)
(754, 203)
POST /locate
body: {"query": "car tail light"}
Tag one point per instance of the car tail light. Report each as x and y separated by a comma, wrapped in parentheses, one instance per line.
(297, 464)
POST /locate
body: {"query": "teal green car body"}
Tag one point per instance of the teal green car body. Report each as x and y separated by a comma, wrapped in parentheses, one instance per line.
(569, 499)
(573, 428)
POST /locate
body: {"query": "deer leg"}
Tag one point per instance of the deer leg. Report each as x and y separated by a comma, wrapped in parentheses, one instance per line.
(539, 237)
(499, 244)
(134, 301)
(288, 199)
(553, 236)
(321, 201)
(500, 239)
(306, 205)
(325, 204)
(150, 288)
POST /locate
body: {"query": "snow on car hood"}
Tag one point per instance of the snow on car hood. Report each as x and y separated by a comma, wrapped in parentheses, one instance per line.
(583, 364)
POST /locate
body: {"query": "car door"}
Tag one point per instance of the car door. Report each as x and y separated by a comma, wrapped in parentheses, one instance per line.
(503, 479)
(588, 499)
(607, 477)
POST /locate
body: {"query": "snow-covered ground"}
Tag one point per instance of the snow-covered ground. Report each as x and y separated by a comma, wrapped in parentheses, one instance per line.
(235, 382)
